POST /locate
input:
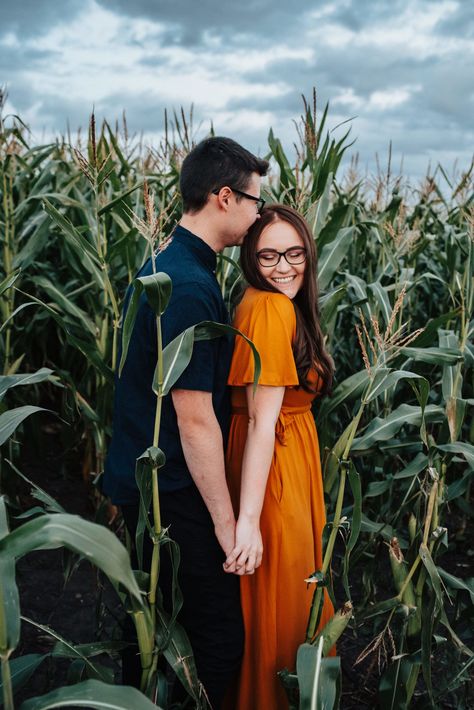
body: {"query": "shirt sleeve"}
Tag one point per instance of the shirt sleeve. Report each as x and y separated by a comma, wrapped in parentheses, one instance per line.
(182, 312)
(270, 322)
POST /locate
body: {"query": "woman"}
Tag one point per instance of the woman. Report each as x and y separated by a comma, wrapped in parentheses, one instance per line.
(273, 461)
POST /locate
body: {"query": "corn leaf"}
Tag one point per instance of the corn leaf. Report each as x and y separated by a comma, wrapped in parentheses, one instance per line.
(12, 418)
(177, 354)
(91, 694)
(94, 542)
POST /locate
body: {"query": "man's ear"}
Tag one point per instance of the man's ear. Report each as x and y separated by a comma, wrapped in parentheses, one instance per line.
(223, 197)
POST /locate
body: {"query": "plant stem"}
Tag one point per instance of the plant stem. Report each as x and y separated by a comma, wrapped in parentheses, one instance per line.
(317, 598)
(155, 560)
(7, 685)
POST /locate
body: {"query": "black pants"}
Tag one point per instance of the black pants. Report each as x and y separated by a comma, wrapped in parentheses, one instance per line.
(211, 613)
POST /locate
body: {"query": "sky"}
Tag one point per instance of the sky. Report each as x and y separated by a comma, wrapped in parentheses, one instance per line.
(401, 70)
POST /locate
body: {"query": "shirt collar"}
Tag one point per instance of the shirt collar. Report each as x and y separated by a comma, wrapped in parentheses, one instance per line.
(197, 246)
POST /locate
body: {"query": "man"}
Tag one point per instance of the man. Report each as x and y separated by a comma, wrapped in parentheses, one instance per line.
(220, 189)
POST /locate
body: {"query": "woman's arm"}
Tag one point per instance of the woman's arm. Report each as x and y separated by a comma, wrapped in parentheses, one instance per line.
(264, 409)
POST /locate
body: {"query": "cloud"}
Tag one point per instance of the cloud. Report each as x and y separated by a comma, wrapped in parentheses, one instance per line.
(401, 67)
(28, 17)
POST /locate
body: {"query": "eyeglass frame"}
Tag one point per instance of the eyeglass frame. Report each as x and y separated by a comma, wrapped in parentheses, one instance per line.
(304, 251)
(259, 200)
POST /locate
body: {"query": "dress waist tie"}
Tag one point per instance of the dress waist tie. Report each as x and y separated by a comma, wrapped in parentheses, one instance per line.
(284, 421)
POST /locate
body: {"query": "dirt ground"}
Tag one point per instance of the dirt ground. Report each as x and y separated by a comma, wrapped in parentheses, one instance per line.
(85, 608)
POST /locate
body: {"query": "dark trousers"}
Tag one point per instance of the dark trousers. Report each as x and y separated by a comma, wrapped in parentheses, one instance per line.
(211, 613)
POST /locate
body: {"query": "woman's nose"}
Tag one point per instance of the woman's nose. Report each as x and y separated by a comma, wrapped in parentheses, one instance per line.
(283, 266)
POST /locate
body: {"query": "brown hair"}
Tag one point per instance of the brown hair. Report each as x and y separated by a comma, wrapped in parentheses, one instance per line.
(308, 347)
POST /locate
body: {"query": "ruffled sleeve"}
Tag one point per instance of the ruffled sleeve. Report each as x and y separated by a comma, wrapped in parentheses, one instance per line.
(269, 320)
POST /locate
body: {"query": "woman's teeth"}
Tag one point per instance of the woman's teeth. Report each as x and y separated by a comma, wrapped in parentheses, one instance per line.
(284, 279)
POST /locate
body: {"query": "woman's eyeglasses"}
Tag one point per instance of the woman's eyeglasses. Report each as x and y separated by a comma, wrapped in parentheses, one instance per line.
(271, 257)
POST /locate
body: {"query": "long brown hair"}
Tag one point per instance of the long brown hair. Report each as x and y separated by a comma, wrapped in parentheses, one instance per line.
(308, 347)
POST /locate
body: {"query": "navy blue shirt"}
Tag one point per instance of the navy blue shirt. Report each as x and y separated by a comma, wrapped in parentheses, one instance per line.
(195, 297)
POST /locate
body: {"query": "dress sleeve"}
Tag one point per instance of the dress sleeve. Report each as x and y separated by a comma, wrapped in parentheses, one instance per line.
(270, 322)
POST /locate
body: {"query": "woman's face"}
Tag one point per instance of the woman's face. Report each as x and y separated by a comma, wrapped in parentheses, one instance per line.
(280, 237)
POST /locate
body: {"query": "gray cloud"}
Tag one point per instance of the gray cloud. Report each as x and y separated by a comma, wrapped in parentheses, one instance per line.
(262, 19)
(28, 17)
(402, 67)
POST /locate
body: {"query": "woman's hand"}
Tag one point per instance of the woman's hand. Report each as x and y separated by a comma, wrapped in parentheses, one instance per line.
(247, 553)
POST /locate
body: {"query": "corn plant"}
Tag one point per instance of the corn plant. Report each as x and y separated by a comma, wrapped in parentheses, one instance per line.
(395, 263)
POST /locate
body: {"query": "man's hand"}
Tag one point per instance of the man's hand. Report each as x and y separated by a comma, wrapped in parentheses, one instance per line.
(247, 553)
(225, 534)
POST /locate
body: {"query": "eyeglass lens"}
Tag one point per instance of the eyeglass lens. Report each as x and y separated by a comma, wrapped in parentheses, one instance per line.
(272, 257)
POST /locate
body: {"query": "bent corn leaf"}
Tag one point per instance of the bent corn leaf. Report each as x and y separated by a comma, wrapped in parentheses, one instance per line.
(92, 694)
(97, 544)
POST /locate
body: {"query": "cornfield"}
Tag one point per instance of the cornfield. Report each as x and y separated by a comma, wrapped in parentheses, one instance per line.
(396, 276)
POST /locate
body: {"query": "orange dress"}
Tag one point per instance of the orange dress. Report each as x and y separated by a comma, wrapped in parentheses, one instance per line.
(276, 600)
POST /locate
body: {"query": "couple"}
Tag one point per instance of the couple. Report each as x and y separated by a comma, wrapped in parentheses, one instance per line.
(241, 490)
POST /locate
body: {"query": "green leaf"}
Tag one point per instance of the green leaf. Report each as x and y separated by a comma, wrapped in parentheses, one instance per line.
(459, 584)
(157, 289)
(92, 694)
(87, 650)
(119, 198)
(419, 463)
(77, 241)
(12, 418)
(433, 573)
(328, 305)
(8, 381)
(8, 281)
(179, 654)
(97, 544)
(379, 528)
(428, 613)
(384, 429)
(308, 670)
(332, 255)
(433, 356)
(319, 678)
(4, 529)
(22, 668)
(9, 604)
(143, 478)
(12, 315)
(65, 649)
(389, 379)
(460, 447)
(51, 504)
(354, 481)
(66, 304)
(349, 389)
(178, 353)
(321, 208)
(382, 300)
(380, 608)
(393, 685)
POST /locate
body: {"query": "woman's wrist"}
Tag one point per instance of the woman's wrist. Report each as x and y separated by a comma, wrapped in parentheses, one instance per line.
(250, 517)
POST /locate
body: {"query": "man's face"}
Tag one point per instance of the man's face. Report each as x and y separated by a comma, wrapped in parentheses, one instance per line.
(245, 210)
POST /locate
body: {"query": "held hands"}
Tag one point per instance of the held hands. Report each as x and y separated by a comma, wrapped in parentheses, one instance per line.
(246, 555)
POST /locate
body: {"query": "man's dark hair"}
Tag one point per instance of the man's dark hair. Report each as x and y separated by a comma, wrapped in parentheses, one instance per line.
(215, 163)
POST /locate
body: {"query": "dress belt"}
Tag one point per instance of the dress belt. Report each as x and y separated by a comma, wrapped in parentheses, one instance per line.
(284, 421)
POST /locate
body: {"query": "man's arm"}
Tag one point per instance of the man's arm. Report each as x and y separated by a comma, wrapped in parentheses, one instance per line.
(201, 439)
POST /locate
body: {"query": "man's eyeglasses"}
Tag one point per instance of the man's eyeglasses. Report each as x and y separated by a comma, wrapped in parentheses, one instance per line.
(271, 257)
(260, 202)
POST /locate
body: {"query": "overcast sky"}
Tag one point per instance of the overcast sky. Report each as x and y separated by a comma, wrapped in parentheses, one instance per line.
(402, 68)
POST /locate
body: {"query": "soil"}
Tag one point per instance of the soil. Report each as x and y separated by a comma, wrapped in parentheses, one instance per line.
(84, 608)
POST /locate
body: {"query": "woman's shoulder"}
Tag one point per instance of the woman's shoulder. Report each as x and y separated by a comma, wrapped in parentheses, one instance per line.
(255, 300)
